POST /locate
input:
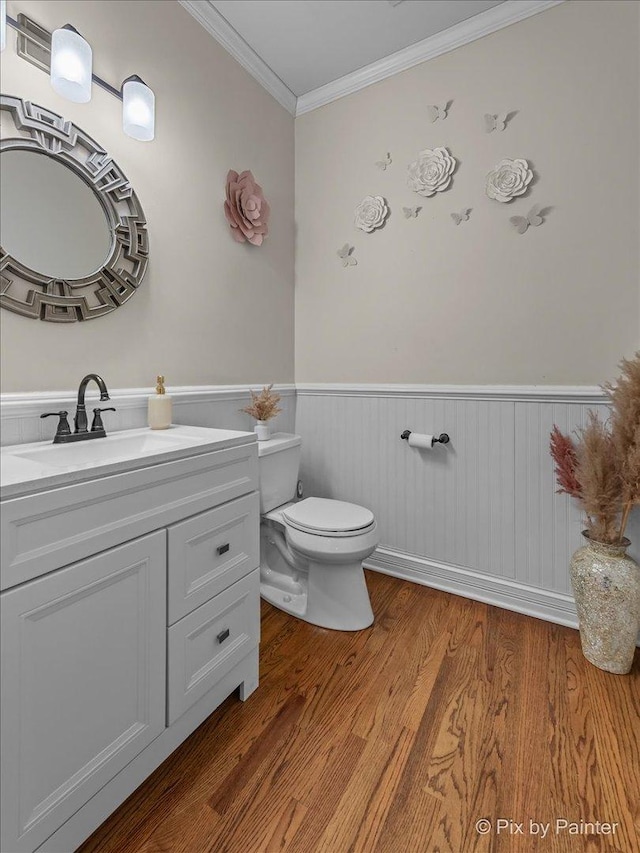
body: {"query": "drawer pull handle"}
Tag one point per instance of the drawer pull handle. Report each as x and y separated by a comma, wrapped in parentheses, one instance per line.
(222, 636)
(222, 549)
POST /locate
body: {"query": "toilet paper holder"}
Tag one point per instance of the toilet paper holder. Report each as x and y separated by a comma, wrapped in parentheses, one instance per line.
(443, 438)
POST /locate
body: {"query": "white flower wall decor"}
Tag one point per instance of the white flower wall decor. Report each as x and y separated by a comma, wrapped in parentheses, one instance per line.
(431, 172)
(509, 179)
(371, 213)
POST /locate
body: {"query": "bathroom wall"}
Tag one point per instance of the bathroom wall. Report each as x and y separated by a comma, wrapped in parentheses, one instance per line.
(473, 329)
(210, 311)
(432, 302)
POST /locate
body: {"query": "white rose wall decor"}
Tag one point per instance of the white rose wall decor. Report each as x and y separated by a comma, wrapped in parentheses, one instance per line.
(371, 213)
(431, 172)
(509, 179)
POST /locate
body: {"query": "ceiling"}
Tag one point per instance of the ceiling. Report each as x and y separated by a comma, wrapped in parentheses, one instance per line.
(309, 43)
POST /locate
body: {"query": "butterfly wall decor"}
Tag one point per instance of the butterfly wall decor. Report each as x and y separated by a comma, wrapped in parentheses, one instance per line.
(435, 111)
(533, 218)
(411, 212)
(346, 256)
(386, 161)
(463, 216)
(496, 121)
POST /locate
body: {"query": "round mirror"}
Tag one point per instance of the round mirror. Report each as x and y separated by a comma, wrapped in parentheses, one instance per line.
(74, 242)
(50, 219)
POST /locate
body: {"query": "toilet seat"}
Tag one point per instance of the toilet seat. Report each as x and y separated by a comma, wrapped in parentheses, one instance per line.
(325, 517)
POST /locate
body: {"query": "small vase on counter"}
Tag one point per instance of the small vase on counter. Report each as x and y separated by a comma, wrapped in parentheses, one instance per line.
(160, 407)
(262, 430)
(606, 586)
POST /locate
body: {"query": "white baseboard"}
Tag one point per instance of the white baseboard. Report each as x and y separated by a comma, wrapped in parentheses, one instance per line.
(544, 604)
(555, 607)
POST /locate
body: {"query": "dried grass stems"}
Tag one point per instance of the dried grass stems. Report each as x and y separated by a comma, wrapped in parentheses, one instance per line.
(264, 405)
(601, 467)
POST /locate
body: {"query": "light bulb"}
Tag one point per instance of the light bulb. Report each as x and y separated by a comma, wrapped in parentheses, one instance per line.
(138, 110)
(71, 60)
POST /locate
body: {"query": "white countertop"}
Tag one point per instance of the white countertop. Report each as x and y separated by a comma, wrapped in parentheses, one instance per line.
(28, 468)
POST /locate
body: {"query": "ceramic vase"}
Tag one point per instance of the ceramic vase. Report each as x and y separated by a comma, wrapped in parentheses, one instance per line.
(262, 430)
(606, 586)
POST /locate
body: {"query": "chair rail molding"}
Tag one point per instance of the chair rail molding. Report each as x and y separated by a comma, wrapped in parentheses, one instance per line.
(507, 393)
(196, 405)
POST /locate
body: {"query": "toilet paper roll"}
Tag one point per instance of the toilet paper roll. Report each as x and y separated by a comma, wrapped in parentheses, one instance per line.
(421, 440)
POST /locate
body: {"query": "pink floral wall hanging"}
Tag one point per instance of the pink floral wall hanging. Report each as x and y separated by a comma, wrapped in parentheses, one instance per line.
(246, 208)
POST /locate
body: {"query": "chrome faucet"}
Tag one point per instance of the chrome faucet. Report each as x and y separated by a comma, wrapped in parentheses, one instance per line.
(81, 433)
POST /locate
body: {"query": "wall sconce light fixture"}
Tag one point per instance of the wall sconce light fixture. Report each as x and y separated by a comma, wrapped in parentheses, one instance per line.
(71, 65)
(138, 109)
(3, 24)
(67, 58)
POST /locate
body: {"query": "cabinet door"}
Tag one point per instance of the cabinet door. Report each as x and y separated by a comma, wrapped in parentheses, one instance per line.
(83, 683)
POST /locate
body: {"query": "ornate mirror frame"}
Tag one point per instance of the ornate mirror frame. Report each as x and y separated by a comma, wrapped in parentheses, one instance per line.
(38, 296)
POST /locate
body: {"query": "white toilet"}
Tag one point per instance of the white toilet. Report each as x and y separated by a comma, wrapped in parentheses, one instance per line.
(311, 551)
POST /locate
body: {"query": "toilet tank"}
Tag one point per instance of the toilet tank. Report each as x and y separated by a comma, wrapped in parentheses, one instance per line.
(279, 462)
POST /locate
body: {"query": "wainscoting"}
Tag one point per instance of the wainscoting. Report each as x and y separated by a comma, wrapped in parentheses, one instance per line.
(208, 406)
(479, 516)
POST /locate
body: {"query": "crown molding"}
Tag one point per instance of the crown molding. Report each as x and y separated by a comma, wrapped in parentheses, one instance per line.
(585, 394)
(507, 13)
(217, 26)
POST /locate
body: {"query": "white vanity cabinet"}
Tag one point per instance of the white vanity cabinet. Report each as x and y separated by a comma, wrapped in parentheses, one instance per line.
(111, 656)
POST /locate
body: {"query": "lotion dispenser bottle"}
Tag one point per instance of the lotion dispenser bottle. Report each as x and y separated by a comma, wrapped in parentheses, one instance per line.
(160, 407)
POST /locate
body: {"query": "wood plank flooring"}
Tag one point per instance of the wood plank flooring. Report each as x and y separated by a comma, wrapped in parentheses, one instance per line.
(398, 739)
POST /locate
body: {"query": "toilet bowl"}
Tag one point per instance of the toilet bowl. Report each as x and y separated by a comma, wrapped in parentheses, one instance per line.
(311, 551)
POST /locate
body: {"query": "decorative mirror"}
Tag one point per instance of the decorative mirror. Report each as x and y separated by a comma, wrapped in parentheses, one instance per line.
(74, 237)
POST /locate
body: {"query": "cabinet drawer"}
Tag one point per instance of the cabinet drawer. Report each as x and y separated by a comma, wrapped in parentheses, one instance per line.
(211, 551)
(209, 642)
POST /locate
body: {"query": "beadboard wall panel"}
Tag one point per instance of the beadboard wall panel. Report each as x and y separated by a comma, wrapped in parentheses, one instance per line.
(484, 504)
(206, 406)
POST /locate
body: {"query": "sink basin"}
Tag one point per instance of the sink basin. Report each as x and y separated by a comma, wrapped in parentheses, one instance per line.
(117, 446)
(28, 467)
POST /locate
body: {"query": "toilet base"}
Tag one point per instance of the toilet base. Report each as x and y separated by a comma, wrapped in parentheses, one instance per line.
(322, 603)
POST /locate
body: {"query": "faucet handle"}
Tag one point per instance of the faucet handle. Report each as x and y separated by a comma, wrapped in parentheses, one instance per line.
(63, 423)
(97, 418)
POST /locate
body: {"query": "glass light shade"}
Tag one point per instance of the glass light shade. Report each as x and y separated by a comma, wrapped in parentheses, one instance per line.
(71, 60)
(138, 110)
(3, 24)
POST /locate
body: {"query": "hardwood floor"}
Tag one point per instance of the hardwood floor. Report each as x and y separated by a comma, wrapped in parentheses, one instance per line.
(398, 739)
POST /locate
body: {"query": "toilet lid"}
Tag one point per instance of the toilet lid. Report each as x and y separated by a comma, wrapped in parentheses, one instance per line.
(320, 515)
